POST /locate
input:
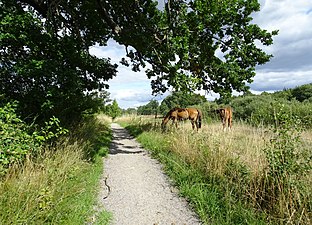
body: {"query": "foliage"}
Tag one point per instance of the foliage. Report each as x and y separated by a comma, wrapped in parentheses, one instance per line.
(47, 68)
(15, 141)
(51, 131)
(180, 99)
(260, 109)
(113, 109)
(288, 165)
(129, 111)
(193, 31)
(285, 94)
(302, 93)
(283, 154)
(150, 108)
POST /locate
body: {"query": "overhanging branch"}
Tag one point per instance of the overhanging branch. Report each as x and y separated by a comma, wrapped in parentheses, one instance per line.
(107, 18)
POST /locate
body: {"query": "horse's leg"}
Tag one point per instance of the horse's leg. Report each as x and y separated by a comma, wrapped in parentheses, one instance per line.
(230, 123)
(193, 126)
(224, 123)
(196, 124)
(176, 122)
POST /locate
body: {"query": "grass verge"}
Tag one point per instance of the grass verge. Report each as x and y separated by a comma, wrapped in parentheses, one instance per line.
(61, 185)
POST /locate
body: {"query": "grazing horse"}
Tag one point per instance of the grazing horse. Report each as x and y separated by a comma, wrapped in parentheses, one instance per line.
(178, 114)
(226, 115)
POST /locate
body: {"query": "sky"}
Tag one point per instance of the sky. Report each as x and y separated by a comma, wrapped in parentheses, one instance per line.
(291, 65)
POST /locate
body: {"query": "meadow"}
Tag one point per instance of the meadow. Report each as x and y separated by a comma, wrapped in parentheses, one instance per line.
(250, 175)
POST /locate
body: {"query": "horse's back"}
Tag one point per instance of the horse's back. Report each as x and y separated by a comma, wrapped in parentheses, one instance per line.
(194, 113)
(229, 112)
(183, 113)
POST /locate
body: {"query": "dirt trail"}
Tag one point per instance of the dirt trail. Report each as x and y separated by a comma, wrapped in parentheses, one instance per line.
(135, 189)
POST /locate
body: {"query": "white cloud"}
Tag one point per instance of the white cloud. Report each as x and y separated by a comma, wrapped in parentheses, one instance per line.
(128, 97)
(292, 49)
(274, 81)
(113, 50)
(129, 88)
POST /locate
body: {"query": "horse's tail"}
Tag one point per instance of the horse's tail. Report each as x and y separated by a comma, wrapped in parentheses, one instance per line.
(199, 121)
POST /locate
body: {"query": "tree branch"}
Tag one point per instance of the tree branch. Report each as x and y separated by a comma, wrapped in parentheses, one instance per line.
(107, 18)
(38, 5)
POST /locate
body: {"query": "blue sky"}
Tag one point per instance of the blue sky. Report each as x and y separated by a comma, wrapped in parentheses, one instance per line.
(291, 65)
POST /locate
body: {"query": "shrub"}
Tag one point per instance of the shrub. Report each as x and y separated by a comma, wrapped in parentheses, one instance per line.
(288, 165)
(15, 141)
(260, 109)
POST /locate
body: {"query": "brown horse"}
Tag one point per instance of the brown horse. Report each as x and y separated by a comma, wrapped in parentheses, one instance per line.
(178, 114)
(226, 115)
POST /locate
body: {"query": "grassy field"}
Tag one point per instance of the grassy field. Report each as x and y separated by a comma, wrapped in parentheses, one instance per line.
(231, 177)
(61, 185)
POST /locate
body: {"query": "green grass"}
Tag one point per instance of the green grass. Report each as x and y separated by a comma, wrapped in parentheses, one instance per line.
(211, 197)
(61, 186)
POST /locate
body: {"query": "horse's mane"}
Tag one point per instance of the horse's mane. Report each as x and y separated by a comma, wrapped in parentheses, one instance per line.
(172, 110)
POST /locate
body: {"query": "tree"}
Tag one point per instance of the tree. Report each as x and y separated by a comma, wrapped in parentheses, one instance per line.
(130, 111)
(48, 73)
(113, 109)
(190, 45)
(150, 108)
(207, 45)
(303, 92)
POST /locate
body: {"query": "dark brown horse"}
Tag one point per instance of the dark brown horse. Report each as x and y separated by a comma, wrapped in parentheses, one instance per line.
(178, 114)
(226, 116)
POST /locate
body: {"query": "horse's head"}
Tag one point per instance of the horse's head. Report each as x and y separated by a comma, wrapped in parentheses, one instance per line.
(164, 122)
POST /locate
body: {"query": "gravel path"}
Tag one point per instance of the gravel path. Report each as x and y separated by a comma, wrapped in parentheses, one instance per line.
(135, 189)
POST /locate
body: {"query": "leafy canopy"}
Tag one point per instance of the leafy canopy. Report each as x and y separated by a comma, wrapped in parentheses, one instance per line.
(211, 45)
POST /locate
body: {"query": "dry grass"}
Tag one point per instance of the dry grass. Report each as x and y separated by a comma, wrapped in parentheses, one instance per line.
(36, 188)
(243, 142)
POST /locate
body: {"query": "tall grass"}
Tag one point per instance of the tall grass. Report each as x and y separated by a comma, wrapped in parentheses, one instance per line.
(60, 185)
(225, 174)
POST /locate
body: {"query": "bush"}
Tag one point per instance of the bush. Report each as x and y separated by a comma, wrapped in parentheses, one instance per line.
(261, 109)
(288, 166)
(15, 141)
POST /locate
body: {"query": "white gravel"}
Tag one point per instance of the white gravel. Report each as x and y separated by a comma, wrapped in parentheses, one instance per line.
(135, 190)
